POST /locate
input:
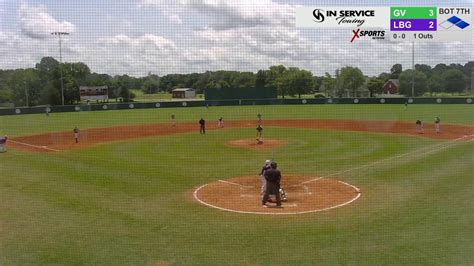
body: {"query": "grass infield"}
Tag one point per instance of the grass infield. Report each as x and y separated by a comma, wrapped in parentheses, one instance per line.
(129, 202)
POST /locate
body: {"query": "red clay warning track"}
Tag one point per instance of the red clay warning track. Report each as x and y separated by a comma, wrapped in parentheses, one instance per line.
(61, 141)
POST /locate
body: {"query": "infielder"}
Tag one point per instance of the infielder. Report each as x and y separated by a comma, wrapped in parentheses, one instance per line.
(436, 124)
(75, 131)
(419, 127)
(220, 122)
(173, 120)
(3, 143)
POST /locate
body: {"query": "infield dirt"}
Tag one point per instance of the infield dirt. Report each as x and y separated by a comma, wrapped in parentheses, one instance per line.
(305, 194)
(90, 137)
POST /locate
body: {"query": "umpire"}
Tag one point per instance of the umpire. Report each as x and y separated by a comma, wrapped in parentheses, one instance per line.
(273, 177)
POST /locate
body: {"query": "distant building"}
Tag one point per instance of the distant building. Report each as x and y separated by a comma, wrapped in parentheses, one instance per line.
(391, 86)
(100, 93)
(184, 93)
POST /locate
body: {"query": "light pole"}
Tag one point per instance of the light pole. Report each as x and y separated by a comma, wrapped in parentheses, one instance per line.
(413, 67)
(26, 94)
(472, 80)
(60, 34)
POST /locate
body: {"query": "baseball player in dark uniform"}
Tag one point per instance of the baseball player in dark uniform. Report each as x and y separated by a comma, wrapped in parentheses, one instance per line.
(273, 177)
(202, 126)
(259, 134)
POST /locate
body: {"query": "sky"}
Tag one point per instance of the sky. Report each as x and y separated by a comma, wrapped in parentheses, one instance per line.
(138, 37)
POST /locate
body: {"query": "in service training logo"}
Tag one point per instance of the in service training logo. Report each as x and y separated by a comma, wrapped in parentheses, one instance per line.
(318, 15)
(343, 16)
(454, 21)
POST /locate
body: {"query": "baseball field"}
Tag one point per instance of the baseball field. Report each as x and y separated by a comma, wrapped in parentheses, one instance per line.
(363, 187)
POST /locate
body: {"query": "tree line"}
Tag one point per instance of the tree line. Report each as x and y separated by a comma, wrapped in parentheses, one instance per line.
(41, 85)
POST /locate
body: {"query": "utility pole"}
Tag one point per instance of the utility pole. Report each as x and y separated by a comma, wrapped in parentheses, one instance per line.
(60, 34)
(413, 67)
(472, 80)
(26, 94)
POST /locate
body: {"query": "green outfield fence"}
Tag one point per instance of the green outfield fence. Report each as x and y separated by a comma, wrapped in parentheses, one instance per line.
(184, 103)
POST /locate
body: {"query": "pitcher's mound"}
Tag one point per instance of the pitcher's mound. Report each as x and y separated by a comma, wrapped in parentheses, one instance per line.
(254, 144)
(305, 195)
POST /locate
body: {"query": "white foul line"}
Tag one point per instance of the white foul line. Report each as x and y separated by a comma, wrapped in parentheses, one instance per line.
(33, 146)
(235, 184)
(431, 149)
(312, 180)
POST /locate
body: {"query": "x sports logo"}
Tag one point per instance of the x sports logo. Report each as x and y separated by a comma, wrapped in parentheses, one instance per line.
(356, 34)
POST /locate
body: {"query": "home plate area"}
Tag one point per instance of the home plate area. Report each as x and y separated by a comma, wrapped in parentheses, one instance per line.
(305, 194)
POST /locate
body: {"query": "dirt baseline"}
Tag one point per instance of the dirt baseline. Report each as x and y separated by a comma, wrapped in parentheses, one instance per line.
(61, 141)
(305, 195)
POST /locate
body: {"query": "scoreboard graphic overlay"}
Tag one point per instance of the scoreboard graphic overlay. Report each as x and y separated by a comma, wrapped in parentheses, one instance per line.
(396, 23)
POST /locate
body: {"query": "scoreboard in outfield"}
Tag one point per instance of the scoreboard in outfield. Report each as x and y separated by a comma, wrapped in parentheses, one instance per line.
(100, 93)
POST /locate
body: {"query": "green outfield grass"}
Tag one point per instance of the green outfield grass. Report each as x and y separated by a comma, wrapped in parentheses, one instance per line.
(128, 203)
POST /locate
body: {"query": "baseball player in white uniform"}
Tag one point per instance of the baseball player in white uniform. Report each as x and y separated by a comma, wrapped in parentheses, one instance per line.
(3, 143)
(436, 124)
(265, 167)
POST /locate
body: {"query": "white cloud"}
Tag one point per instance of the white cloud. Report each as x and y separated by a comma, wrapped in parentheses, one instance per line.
(224, 14)
(201, 35)
(19, 51)
(37, 23)
(175, 18)
(122, 54)
(147, 41)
